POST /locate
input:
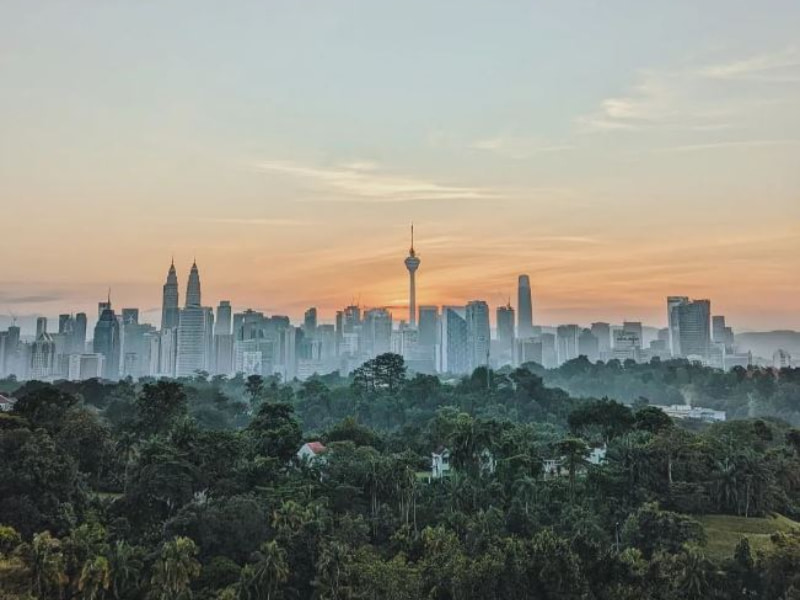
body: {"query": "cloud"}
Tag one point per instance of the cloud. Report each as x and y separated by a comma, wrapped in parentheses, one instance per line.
(365, 181)
(730, 144)
(698, 98)
(783, 66)
(255, 221)
(516, 147)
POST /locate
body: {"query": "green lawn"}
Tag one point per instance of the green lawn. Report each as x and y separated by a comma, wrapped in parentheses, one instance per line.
(725, 531)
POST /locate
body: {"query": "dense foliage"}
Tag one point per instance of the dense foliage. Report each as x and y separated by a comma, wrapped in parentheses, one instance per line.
(192, 488)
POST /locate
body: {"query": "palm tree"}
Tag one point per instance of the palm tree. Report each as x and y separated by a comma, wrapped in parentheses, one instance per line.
(573, 451)
(525, 490)
(126, 567)
(261, 580)
(95, 578)
(330, 571)
(47, 566)
(175, 569)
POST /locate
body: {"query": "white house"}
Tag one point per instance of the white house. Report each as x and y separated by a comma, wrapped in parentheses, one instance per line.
(440, 463)
(6, 403)
(311, 451)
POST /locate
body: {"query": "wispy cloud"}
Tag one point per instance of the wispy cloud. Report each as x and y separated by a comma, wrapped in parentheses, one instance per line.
(697, 98)
(730, 144)
(256, 221)
(367, 182)
(516, 147)
(782, 66)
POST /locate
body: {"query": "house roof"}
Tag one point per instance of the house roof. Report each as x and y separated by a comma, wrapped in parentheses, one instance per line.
(316, 447)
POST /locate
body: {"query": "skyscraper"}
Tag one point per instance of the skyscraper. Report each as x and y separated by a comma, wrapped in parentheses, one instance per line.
(567, 342)
(193, 296)
(195, 341)
(672, 323)
(41, 326)
(310, 321)
(107, 341)
(79, 333)
(376, 332)
(453, 347)
(524, 308)
(412, 264)
(505, 335)
(169, 303)
(602, 331)
(478, 333)
(224, 318)
(694, 328)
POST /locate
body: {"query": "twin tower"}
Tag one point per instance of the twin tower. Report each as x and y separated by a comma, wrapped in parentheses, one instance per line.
(170, 313)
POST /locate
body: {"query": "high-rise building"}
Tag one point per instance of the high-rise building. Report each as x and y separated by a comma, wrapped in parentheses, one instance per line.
(567, 342)
(130, 316)
(634, 329)
(694, 328)
(412, 264)
(170, 301)
(79, 333)
(376, 332)
(195, 340)
(524, 308)
(588, 345)
(41, 326)
(428, 325)
(602, 331)
(224, 318)
(43, 355)
(193, 295)
(505, 335)
(310, 321)
(672, 323)
(478, 334)
(453, 354)
(107, 341)
(721, 333)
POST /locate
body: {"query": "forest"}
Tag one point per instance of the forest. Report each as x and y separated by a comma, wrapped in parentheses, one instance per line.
(196, 488)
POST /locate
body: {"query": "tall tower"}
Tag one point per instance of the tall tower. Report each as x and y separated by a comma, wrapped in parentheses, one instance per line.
(524, 309)
(193, 288)
(169, 303)
(412, 264)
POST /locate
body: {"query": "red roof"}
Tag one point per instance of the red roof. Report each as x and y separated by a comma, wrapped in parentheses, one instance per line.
(316, 447)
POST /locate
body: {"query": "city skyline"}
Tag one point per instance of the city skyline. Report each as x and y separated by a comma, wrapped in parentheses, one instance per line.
(615, 153)
(528, 317)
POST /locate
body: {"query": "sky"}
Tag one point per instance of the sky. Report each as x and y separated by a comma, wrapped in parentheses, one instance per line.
(617, 151)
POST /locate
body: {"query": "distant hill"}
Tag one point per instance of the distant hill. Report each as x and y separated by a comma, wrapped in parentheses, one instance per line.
(765, 343)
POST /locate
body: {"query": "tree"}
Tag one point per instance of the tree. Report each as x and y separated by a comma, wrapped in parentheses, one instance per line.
(651, 529)
(95, 578)
(46, 563)
(611, 419)
(175, 569)
(255, 388)
(573, 451)
(275, 432)
(262, 578)
(652, 419)
(159, 406)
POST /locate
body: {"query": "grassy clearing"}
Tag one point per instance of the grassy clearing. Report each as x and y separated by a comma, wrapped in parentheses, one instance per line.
(725, 531)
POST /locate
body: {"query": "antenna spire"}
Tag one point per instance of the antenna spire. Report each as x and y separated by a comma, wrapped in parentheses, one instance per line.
(412, 240)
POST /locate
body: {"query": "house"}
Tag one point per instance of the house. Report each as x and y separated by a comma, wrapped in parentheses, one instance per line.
(311, 451)
(440, 462)
(6, 403)
(557, 467)
(685, 411)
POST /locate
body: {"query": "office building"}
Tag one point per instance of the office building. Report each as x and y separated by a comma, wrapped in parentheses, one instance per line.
(478, 334)
(170, 302)
(505, 335)
(524, 308)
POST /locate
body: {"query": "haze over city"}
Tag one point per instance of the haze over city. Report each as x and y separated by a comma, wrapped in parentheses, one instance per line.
(288, 147)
